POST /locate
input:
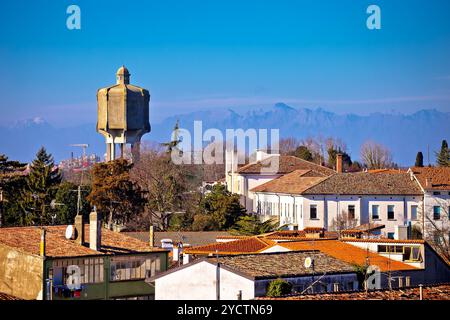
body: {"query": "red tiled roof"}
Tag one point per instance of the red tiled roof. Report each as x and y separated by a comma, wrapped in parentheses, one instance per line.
(292, 183)
(27, 239)
(348, 253)
(287, 164)
(438, 177)
(247, 245)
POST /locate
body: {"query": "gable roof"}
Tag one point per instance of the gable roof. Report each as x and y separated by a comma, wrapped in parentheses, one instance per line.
(348, 253)
(240, 246)
(438, 177)
(287, 164)
(295, 182)
(363, 183)
(27, 239)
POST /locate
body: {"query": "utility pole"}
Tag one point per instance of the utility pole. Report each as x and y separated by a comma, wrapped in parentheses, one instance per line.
(1, 206)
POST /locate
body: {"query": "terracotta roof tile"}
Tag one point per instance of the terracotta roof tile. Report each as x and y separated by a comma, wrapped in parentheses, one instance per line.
(286, 264)
(246, 245)
(363, 183)
(287, 164)
(5, 296)
(348, 253)
(27, 239)
(438, 177)
(292, 183)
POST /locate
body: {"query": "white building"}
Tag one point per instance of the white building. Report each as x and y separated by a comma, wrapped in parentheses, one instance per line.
(265, 168)
(247, 276)
(305, 198)
(434, 183)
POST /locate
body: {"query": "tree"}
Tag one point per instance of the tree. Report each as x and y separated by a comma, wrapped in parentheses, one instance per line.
(223, 207)
(437, 231)
(203, 222)
(376, 156)
(249, 225)
(39, 191)
(278, 287)
(167, 187)
(443, 156)
(288, 145)
(114, 193)
(419, 159)
(343, 221)
(67, 202)
(303, 152)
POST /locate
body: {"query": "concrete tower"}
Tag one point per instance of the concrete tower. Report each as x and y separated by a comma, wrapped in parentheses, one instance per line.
(123, 115)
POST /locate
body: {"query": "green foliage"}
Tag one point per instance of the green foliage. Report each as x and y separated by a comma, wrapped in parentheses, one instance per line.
(113, 192)
(361, 273)
(181, 221)
(303, 152)
(443, 156)
(204, 222)
(332, 154)
(249, 225)
(222, 207)
(40, 188)
(67, 202)
(279, 287)
(419, 159)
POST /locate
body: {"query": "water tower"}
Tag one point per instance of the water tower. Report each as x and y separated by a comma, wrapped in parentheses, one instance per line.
(123, 115)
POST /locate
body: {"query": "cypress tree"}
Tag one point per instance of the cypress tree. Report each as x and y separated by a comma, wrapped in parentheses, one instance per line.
(419, 159)
(443, 156)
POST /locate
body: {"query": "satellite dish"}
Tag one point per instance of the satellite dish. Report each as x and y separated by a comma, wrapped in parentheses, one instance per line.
(70, 232)
(308, 262)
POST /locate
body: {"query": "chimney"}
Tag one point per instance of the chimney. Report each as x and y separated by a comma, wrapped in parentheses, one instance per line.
(79, 229)
(42, 243)
(339, 163)
(428, 182)
(151, 236)
(95, 231)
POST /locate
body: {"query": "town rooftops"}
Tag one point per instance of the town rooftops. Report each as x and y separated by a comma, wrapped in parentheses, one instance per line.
(240, 246)
(360, 183)
(348, 253)
(272, 265)
(193, 238)
(295, 182)
(286, 164)
(27, 239)
(432, 178)
(434, 292)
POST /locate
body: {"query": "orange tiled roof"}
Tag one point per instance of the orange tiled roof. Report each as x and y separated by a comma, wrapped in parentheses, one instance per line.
(27, 239)
(387, 171)
(246, 245)
(438, 177)
(293, 183)
(348, 253)
(287, 164)
(384, 240)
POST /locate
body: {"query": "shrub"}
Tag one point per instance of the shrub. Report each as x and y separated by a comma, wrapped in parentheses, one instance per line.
(278, 287)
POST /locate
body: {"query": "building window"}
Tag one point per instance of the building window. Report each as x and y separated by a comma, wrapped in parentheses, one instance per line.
(411, 254)
(134, 268)
(313, 211)
(390, 235)
(351, 212)
(390, 213)
(436, 212)
(413, 212)
(436, 193)
(390, 249)
(91, 270)
(375, 212)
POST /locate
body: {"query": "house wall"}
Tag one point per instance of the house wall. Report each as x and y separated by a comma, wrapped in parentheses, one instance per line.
(346, 282)
(198, 282)
(443, 201)
(21, 273)
(295, 209)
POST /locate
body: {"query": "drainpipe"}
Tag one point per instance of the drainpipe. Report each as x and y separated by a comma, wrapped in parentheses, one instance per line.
(217, 276)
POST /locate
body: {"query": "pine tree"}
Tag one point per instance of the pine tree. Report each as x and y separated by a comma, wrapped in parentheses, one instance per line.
(40, 189)
(419, 159)
(443, 156)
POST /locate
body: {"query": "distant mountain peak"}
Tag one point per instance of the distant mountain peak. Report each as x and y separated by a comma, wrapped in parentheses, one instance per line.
(283, 106)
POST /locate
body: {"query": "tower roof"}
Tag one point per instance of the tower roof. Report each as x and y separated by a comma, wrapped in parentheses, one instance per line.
(123, 71)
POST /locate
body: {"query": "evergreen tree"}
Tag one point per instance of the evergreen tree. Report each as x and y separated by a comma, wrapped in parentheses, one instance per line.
(303, 152)
(419, 159)
(249, 225)
(40, 189)
(443, 156)
(67, 202)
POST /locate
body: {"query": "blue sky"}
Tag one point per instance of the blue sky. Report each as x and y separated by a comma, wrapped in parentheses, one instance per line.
(209, 54)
